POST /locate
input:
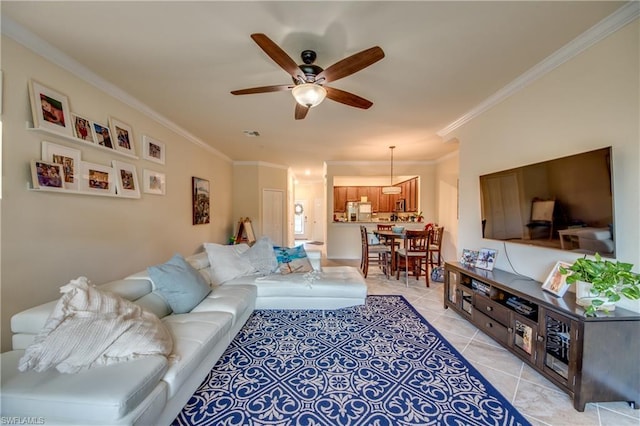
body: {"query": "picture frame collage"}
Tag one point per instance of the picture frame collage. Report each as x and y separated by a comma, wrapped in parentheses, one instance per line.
(484, 258)
(61, 168)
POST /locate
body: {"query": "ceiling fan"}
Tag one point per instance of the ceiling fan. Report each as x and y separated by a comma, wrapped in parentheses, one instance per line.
(309, 80)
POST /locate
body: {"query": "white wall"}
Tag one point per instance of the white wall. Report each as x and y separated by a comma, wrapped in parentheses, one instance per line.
(589, 102)
(50, 238)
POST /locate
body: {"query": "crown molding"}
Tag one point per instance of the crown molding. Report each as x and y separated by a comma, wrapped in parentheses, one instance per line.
(31, 41)
(260, 164)
(612, 23)
(380, 163)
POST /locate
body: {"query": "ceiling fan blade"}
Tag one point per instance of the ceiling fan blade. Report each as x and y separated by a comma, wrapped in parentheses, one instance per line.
(351, 64)
(347, 98)
(263, 89)
(301, 111)
(278, 55)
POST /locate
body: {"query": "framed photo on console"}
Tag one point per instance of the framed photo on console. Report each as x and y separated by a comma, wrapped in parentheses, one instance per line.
(556, 283)
(486, 259)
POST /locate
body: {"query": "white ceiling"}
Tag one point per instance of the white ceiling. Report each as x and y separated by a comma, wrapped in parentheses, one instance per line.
(181, 59)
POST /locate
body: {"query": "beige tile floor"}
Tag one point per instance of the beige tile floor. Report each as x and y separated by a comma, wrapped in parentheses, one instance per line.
(539, 400)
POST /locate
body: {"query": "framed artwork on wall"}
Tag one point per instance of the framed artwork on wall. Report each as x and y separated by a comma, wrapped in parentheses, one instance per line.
(153, 182)
(123, 134)
(556, 283)
(47, 175)
(50, 109)
(126, 179)
(153, 150)
(82, 128)
(69, 158)
(102, 135)
(97, 178)
(200, 200)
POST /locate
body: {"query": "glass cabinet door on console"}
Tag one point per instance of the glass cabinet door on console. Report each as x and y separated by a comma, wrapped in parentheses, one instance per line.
(524, 337)
(558, 351)
(458, 292)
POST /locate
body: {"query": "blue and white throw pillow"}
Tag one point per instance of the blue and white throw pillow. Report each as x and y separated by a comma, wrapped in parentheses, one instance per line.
(292, 260)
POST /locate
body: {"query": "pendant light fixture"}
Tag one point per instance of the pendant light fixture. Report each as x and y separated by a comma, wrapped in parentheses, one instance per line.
(391, 190)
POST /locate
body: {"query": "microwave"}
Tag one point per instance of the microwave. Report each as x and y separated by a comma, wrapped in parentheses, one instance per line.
(400, 205)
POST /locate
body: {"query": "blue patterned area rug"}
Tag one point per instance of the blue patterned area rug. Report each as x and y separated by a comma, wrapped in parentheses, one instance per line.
(377, 364)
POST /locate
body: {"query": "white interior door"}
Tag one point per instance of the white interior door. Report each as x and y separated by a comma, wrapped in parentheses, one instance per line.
(300, 219)
(273, 218)
(317, 229)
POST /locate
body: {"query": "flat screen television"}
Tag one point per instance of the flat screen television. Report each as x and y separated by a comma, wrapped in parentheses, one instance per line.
(564, 203)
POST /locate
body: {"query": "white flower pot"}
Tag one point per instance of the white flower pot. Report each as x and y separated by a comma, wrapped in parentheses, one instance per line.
(584, 297)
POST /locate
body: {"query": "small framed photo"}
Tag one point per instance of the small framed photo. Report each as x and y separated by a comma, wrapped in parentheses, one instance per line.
(153, 182)
(469, 257)
(486, 259)
(82, 128)
(97, 178)
(556, 282)
(47, 175)
(126, 179)
(102, 135)
(152, 149)
(123, 134)
(200, 200)
(50, 109)
(70, 160)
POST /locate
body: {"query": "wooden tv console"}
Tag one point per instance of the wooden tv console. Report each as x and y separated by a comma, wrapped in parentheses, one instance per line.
(593, 359)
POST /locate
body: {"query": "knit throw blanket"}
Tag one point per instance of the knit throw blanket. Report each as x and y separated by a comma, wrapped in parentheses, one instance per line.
(89, 327)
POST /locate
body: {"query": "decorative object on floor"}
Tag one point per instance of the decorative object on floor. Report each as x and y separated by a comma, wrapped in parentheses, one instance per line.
(200, 200)
(556, 282)
(50, 109)
(153, 182)
(153, 150)
(379, 363)
(486, 259)
(609, 281)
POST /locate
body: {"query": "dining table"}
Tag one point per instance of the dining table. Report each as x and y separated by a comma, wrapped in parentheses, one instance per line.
(390, 237)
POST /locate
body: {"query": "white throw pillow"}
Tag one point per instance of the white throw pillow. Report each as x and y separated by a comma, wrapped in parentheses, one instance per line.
(262, 257)
(89, 327)
(226, 262)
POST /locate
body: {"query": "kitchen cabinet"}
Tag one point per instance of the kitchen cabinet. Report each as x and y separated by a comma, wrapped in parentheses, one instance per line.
(380, 202)
(592, 359)
(339, 199)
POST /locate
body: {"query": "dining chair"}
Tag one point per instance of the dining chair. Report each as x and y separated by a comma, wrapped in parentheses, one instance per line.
(435, 246)
(413, 256)
(387, 241)
(374, 254)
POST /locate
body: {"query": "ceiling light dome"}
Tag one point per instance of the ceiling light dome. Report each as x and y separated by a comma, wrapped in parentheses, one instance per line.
(309, 94)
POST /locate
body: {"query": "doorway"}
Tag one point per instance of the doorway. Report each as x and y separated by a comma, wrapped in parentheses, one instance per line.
(273, 215)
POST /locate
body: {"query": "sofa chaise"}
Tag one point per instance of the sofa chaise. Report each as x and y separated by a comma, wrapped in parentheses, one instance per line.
(152, 390)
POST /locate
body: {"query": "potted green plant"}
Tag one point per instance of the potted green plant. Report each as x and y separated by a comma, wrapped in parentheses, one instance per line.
(601, 283)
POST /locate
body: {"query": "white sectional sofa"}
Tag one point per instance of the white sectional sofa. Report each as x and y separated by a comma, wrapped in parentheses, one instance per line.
(152, 390)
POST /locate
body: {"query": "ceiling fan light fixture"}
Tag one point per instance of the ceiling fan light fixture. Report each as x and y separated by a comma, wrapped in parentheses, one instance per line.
(309, 94)
(391, 190)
